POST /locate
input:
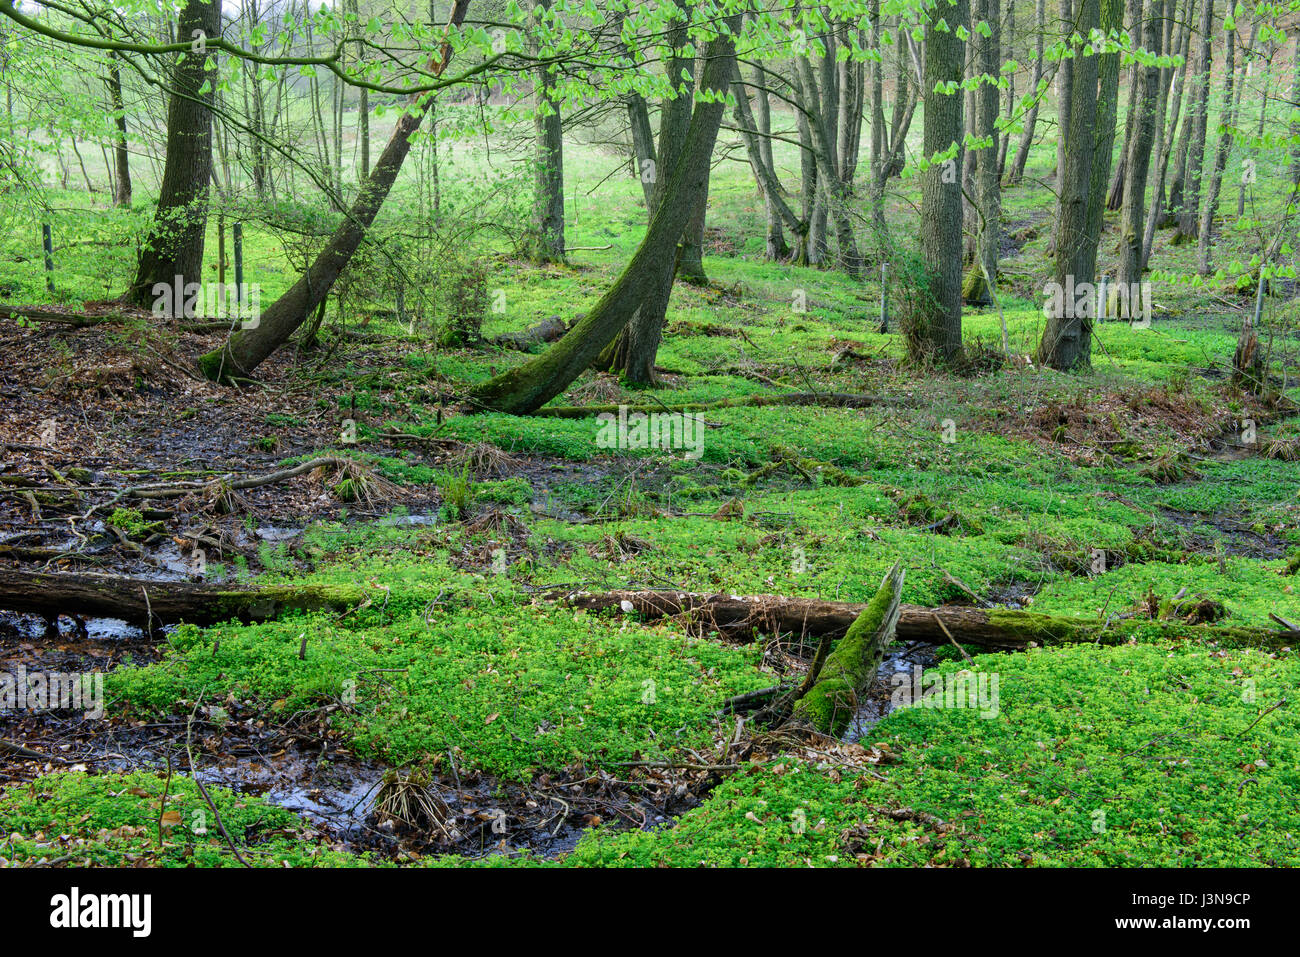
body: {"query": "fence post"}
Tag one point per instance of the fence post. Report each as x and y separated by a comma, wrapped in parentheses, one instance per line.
(238, 232)
(47, 242)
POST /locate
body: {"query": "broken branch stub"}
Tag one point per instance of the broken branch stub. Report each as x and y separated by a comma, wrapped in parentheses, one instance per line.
(830, 703)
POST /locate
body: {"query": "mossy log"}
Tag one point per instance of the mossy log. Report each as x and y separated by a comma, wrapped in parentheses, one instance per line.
(141, 601)
(974, 288)
(995, 629)
(829, 705)
(548, 330)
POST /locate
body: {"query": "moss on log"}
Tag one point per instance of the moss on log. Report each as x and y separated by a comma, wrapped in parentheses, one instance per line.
(142, 601)
(830, 704)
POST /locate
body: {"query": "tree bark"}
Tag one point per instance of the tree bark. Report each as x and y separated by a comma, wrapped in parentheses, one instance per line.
(141, 601)
(987, 179)
(526, 388)
(936, 331)
(1035, 79)
(829, 705)
(996, 629)
(1090, 137)
(121, 158)
(1115, 194)
(172, 252)
(1189, 212)
(548, 160)
(754, 131)
(1138, 161)
(247, 348)
(1176, 40)
(1228, 116)
(818, 106)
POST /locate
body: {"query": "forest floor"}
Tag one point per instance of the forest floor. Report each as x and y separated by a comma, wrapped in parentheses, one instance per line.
(461, 713)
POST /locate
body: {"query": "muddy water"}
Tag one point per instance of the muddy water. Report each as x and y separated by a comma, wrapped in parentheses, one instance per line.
(303, 765)
(895, 670)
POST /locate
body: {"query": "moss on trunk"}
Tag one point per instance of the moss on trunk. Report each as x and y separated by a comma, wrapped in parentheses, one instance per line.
(830, 703)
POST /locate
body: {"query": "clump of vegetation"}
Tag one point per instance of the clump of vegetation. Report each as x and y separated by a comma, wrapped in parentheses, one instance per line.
(457, 493)
(131, 523)
(464, 300)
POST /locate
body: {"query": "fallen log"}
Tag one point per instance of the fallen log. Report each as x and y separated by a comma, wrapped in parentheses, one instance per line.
(996, 629)
(828, 706)
(140, 601)
(82, 320)
(834, 400)
(548, 330)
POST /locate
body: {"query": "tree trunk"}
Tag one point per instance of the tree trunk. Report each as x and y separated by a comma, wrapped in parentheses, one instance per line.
(1067, 336)
(146, 602)
(1115, 194)
(1190, 207)
(987, 180)
(247, 348)
(878, 131)
(632, 353)
(548, 160)
(172, 252)
(829, 705)
(121, 158)
(1294, 127)
(1035, 79)
(1064, 97)
(526, 388)
(936, 331)
(1228, 116)
(821, 121)
(754, 131)
(995, 629)
(1138, 161)
(1176, 42)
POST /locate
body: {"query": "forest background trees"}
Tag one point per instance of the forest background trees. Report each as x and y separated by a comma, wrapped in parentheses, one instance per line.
(266, 112)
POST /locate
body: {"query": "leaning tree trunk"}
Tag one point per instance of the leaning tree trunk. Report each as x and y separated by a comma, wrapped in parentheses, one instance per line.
(526, 388)
(632, 353)
(247, 348)
(754, 131)
(936, 331)
(829, 705)
(1138, 162)
(172, 252)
